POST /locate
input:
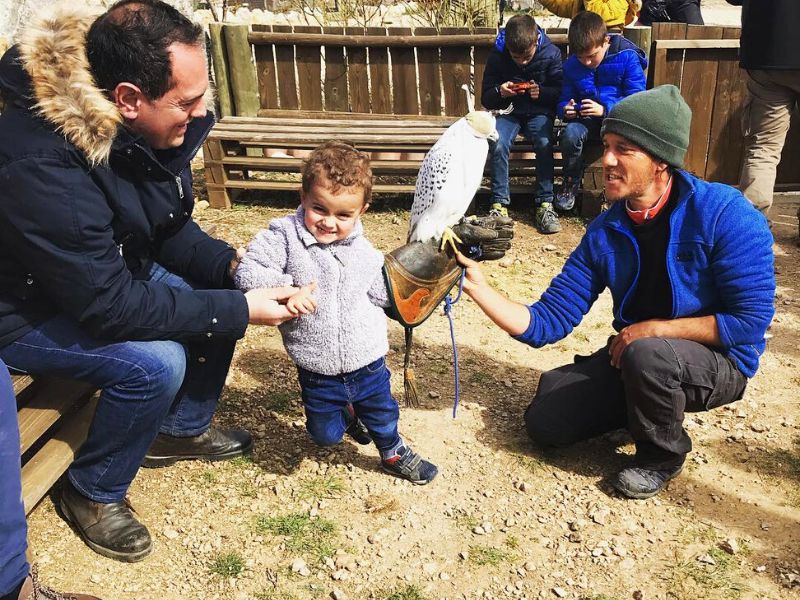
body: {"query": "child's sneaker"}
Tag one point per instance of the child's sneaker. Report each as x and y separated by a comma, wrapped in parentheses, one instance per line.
(565, 199)
(498, 210)
(355, 428)
(546, 219)
(407, 464)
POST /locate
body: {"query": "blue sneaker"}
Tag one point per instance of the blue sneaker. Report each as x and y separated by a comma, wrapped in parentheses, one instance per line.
(409, 465)
(565, 199)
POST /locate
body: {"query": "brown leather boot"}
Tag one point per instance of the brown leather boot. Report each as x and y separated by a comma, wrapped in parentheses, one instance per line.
(213, 444)
(109, 529)
(32, 589)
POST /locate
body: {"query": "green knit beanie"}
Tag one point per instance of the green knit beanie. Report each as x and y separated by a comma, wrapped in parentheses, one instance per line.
(658, 120)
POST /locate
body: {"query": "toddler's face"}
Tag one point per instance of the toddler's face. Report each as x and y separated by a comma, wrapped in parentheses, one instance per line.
(331, 217)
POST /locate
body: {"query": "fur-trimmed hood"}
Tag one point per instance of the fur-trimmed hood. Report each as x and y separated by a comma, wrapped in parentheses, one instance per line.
(51, 74)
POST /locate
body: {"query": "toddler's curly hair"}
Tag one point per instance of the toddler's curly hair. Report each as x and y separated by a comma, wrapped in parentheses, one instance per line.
(341, 165)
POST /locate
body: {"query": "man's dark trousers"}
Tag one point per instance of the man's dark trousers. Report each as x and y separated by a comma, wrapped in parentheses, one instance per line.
(659, 380)
(13, 530)
(148, 386)
(677, 11)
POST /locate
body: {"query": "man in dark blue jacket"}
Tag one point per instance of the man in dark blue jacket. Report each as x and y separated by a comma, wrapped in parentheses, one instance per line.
(523, 54)
(771, 57)
(690, 268)
(104, 276)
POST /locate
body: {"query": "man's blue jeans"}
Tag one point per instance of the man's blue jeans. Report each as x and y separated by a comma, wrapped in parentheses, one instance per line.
(147, 387)
(538, 130)
(325, 398)
(572, 141)
(13, 529)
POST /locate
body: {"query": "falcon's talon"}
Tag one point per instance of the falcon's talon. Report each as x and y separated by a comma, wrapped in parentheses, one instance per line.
(449, 237)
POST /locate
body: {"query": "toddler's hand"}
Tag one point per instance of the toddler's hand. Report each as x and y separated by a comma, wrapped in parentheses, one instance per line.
(569, 109)
(302, 302)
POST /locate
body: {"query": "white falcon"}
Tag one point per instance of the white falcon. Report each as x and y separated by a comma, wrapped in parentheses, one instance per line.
(449, 177)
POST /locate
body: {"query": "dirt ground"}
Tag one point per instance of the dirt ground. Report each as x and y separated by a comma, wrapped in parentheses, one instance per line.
(502, 520)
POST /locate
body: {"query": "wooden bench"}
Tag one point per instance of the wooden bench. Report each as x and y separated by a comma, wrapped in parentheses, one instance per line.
(389, 92)
(54, 417)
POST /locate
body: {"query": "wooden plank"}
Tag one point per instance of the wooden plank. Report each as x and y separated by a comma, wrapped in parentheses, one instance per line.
(698, 88)
(639, 35)
(222, 85)
(302, 117)
(357, 78)
(398, 37)
(336, 93)
(54, 398)
(285, 70)
(380, 86)
(455, 73)
(265, 72)
(341, 128)
(725, 139)
(430, 80)
(242, 70)
(404, 78)
(46, 466)
(693, 44)
(658, 63)
(480, 55)
(21, 382)
(309, 71)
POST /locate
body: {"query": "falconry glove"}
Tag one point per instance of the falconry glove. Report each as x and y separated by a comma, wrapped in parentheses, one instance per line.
(419, 275)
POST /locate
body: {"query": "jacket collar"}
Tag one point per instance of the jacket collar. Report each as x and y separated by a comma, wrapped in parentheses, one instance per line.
(308, 238)
(617, 218)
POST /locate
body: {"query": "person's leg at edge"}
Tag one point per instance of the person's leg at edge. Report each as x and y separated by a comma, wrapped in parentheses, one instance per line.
(13, 528)
(771, 97)
(378, 410)
(186, 431)
(577, 402)
(663, 378)
(507, 129)
(685, 11)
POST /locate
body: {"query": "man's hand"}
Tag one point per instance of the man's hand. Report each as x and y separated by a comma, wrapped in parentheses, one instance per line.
(485, 238)
(473, 276)
(240, 252)
(631, 333)
(570, 112)
(590, 108)
(302, 302)
(268, 305)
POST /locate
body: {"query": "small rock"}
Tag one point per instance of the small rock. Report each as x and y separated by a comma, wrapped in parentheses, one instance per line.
(600, 516)
(758, 427)
(170, 533)
(201, 205)
(463, 555)
(637, 595)
(731, 546)
(707, 559)
(430, 568)
(95, 578)
(550, 248)
(433, 394)
(338, 594)
(299, 566)
(478, 530)
(444, 576)
(560, 592)
(524, 487)
(760, 569)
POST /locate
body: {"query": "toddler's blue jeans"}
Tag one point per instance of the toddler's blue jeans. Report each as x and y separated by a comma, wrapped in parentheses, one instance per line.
(325, 398)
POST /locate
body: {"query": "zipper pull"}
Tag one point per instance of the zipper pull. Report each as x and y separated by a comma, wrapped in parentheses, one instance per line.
(180, 187)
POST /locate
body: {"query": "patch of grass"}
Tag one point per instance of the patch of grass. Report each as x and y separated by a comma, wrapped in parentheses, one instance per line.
(381, 504)
(479, 377)
(227, 565)
(464, 520)
(275, 595)
(512, 542)
(241, 462)
(487, 555)
(207, 476)
(529, 463)
(324, 486)
(690, 577)
(303, 534)
(283, 403)
(598, 597)
(410, 592)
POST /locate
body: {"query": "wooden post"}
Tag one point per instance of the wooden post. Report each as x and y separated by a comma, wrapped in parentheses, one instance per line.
(242, 71)
(641, 36)
(220, 70)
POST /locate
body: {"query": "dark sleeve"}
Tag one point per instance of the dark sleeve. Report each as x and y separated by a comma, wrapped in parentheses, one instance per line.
(192, 253)
(550, 90)
(58, 223)
(736, 2)
(492, 79)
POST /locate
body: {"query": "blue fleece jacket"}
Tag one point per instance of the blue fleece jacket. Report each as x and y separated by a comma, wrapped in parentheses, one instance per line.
(719, 262)
(620, 74)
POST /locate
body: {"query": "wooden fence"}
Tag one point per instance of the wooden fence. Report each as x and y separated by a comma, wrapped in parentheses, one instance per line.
(313, 70)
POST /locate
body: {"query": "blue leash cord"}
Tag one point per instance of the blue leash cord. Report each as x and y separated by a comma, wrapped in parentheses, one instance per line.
(448, 307)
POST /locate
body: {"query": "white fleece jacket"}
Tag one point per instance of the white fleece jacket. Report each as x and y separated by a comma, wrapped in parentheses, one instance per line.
(348, 329)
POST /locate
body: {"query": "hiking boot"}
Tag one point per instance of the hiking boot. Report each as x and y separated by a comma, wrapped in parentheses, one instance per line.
(498, 210)
(110, 529)
(409, 465)
(32, 589)
(565, 199)
(212, 444)
(355, 428)
(546, 219)
(636, 482)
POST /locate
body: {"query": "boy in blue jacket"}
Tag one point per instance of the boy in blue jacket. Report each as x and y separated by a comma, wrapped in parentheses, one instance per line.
(523, 54)
(602, 70)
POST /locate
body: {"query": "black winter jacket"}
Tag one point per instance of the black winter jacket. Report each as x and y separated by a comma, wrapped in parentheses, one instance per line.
(768, 30)
(86, 208)
(544, 69)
